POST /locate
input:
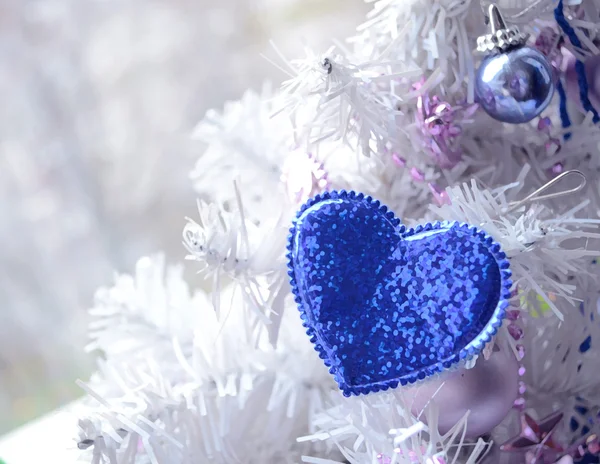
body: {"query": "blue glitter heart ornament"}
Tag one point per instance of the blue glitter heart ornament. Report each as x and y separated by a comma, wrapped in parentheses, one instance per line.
(385, 305)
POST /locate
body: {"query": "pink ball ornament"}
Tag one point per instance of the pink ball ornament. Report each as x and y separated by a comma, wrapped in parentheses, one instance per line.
(488, 390)
(592, 74)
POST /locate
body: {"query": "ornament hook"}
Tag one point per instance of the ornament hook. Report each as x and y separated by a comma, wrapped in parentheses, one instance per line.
(501, 37)
(536, 196)
(495, 18)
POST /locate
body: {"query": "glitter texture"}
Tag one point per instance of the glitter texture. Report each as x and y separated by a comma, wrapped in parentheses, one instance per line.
(385, 305)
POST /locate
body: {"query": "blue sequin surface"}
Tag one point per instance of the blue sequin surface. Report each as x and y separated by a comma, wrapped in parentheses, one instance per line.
(385, 305)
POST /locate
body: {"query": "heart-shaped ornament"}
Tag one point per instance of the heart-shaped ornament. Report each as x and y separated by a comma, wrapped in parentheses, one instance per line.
(385, 305)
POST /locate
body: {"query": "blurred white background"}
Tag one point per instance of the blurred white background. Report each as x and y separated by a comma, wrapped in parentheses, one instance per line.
(98, 98)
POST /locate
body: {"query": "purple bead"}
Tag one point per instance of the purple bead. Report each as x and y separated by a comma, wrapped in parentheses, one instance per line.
(513, 314)
(515, 331)
(557, 168)
(520, 352)
(522, 388)
(515, 86)
(544, 124)
(519, 403)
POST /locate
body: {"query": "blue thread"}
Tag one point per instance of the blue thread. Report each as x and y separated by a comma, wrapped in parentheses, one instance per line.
(559, 15)
(385, 305)
(564, 114)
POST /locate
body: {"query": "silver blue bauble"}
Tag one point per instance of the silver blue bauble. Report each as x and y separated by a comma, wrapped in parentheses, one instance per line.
(515, 83)
(514, 86)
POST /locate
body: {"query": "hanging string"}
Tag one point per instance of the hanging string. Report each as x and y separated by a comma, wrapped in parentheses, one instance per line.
(562, 22)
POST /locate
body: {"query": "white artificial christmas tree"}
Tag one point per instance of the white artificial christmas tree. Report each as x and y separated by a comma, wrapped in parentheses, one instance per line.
(229, 375)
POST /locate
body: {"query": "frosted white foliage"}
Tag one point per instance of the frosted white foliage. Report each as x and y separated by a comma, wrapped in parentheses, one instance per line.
(379, 428)
(543, 248)
(225, 244)
(243, 142)
(153, 303)
(229, 376)
(226, 241)
(181, 384)
(427, 35)
(343, 101)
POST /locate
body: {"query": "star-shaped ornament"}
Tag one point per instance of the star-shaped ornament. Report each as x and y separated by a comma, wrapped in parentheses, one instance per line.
(535, 438)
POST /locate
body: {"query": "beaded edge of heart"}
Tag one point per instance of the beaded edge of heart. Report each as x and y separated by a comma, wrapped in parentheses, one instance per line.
(475, 347)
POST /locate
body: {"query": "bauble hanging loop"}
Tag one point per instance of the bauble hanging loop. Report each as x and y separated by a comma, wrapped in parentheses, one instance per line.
(514, 83)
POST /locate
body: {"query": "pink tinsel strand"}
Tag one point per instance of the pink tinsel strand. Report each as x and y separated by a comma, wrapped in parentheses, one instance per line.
(441, 125)
(440, 196)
